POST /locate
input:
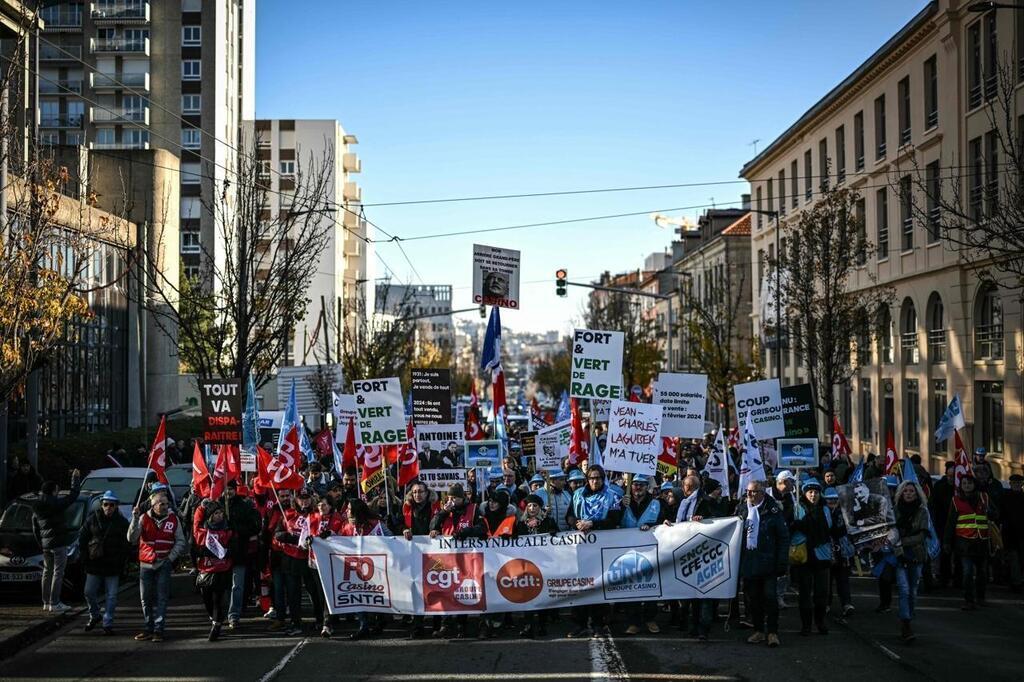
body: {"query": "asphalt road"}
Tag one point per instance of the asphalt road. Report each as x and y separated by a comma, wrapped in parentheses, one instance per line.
(952, 645)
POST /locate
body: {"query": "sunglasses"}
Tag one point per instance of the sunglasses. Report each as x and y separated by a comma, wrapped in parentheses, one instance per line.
(753, 492)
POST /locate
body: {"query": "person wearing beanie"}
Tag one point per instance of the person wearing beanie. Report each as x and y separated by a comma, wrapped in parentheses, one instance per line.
(499, 515)
(103, 541)
(967, 533)
(242, 518)
(534, 521)
(215, 544)
(460, 519)
(843, 552)
(813, 521)
(556, 498)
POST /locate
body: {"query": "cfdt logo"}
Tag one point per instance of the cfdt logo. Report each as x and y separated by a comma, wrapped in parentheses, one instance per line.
(519, 581)
(453, 582)
(360, 580)
(631, 573)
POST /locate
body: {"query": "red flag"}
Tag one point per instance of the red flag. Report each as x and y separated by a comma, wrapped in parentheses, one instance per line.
(578, 445)
(323, 441)
(408, 461)
(290, 453)
(840, 446)
(371, 460)
(963, 462)
(498, 396)
(273, 473)
(348, 457)
(158, 453)
(200, 474)
(891, 458)
(734, 438)
(473, 429)
(226, 468)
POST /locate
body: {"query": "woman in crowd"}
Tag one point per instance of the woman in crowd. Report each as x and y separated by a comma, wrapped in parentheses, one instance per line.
(534, 521)
(363, 521)
(813, 519)
(323, 523)
(912, 550)
(213, 541)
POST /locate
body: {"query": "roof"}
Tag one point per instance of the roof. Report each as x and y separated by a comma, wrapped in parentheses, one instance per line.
(835, 93)
(740, 227)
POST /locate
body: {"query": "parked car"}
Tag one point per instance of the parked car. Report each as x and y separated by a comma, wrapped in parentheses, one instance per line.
(21, 557)
(179, 477)
(126, 482)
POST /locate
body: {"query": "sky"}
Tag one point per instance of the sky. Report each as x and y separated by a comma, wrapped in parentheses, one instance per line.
(463, 99)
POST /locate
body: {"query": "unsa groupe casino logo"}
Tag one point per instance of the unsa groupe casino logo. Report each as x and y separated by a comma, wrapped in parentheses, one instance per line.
(631, 573)
(360, 580)
(519, 581)
(454, 582)
(702, 562)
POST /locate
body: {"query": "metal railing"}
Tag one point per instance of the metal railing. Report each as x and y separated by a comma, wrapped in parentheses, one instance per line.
(59, 53)
(63, 121)
(119, 9)
(133, 45)
(909, 351)
(114, 114)
(61, 17)
(62, 87)
(988, 342)
(932, 118)
(138, 81)
(937, 345)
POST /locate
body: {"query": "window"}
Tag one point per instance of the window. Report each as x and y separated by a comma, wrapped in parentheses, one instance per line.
(1019, 16)
(938, 408)
(991, 55)
(934, 185)
(860, 248)
(909, 351)
(49, 137)
(882, 220)
(858, 141)
(880, 127)
(884, 332)
(760, 271)
(911, 413)
(863, 339)
(936, 329)
(867, 405)
(931, 93)
(190, 173)
(104, 137)
(823, 162)
(840, 154)
(191, 69)
(794, 185)
(988, 328)
(49, 113)
(191, 104)
(191, 35)
(906, 214)
(977, 177)
(191, 5)
(190, 138)
(782, 192)
(990, 415)
(974, 65)
(991, 173)
(771, 195)
(74, 138)
(903, 109)
(808, 175)
(133, 107)
(846, 403)
(263, 169)
(135, 138)
(191, 272)
(190, 242)
(758, 205)
(288, 168)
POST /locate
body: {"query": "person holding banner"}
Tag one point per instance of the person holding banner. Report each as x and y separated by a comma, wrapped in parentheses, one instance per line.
(286, 527)
(643, 512)
(535, 521)
(323, 523)
(419, 508)
(556, 499)
(214, 542)
(911, 551)
(362, 521)
(764, 558)
(244, 520)
(814, 521)
(460, 519)
(842, 552)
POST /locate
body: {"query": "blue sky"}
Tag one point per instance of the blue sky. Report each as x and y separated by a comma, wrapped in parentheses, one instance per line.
(457, 99)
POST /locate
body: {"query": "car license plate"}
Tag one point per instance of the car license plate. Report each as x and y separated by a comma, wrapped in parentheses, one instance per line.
(20, 577)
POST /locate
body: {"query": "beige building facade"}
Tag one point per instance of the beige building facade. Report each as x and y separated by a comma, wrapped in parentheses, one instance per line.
(915, 109)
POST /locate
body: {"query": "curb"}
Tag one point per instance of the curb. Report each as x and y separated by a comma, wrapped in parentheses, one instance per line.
(893, 656)
(30, 635)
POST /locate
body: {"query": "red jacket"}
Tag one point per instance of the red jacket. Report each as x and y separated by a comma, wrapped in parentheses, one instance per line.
(206, 562)
(291, 525)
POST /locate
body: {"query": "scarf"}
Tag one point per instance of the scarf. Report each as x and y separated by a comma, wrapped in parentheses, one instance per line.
(753, 525)
(687, 507)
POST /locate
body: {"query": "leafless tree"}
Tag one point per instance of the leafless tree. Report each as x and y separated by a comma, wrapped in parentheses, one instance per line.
(378, 343)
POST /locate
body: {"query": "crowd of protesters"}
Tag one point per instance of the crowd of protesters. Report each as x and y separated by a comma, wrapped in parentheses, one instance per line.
(249, 549)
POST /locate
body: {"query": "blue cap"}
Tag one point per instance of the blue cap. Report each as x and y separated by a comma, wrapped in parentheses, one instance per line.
(158, 486)
(812, 483)
(892, 481)
(667, 485)
(980, 451)
(109, 496)
(831, 494)
(640, 479)
(557, 473)
(537, 478)
(576, 475)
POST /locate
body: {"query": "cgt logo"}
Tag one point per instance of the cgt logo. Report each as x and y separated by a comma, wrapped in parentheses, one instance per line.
(631, 572)
(519, 581)
(360, 580)
(702, 562)
(454, 582)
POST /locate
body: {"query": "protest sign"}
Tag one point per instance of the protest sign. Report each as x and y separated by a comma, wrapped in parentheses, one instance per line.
(798, 411)
(495, 276)
(443, 575)
(562, 431)
(269, 422)
(380, 411)
(441, 440)
(867, 510)
(601, 409)
(439, 480)
(797, 453)
(528, 443)
(343, 407)
(484, 454)
(634, 440)
(549, 451)
(763, 400)
(596, 364)
(684, 399)
(432, 396)
(221, 401)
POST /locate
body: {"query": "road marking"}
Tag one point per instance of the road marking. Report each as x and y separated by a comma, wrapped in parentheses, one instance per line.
(283, 662)
(605, 660)
(431, 677)
(887, 651)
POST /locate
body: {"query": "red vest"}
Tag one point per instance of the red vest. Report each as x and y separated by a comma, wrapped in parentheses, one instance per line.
(157, 537)
(407, 513)
(289, 524)
(505, 528)
(452, 525)
(211, 564)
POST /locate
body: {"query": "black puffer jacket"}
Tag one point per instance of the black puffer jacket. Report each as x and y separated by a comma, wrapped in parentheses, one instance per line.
(48, 518)
(104, 543)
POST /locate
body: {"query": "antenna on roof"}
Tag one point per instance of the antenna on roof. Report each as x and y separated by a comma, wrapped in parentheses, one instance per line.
(754, 145)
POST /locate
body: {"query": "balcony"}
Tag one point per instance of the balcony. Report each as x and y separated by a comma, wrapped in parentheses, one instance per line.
(352, 192)
(119, 145)
(73, 121)
(908, 348)
(61, 87)
(988, 342)
(139, 46)
(60, 53)
(110, 82)
(125, 12)
(61, 19)
(352, 163)
(118, 115)
(937, 346)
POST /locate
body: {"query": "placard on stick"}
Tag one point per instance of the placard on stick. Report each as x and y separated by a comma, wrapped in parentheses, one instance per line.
(221, 401)
(634, 438)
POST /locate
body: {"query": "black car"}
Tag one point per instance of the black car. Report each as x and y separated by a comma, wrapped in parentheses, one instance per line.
(21, 557)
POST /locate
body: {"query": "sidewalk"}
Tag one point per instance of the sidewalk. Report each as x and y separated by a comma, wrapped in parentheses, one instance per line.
(22, 624)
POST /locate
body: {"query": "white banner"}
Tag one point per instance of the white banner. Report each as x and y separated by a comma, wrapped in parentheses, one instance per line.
(343, 406)
(495, 276)
(696, 560)
(596, 364)
(634, 438)
(380, 410)
(763, 400)
(684, 398)
(549, 451)
(439, 480)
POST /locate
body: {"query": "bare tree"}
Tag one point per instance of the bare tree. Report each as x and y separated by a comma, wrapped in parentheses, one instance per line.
(824, 248)
(641, 355)
(378, 344)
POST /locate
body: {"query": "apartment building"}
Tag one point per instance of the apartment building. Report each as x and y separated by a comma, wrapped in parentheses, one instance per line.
(284, 148)
(917, 102)
(177, 75)
(431, 303)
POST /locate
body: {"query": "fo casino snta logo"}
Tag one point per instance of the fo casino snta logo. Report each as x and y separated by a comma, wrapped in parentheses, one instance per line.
(702, 562)
(631, 572)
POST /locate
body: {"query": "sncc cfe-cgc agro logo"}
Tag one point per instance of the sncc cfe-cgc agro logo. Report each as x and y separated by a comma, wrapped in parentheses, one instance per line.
(702, 562)
(454, 582)
(360, 580)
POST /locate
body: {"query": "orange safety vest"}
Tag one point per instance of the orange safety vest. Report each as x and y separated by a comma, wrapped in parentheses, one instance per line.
(505, 528)
(971, 522)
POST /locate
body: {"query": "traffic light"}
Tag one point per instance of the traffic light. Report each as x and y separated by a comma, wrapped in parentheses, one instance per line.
(483, 312)
(560, 285)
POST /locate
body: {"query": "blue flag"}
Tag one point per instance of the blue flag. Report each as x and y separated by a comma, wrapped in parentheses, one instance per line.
(490, 357)
(858, 473)
(563, 408)
(952, 420)
(908, 472)
(250, 418)
(290, 419)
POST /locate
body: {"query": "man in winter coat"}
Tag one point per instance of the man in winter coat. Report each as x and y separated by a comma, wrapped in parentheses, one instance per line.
(103, 541)
(967, 534)
(161, 540)
(939, 503)
(764, 558)
(643, 512)
(418, 510)
(52, 534)
(244, 522)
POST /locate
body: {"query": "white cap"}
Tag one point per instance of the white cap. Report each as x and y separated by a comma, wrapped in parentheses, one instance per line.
(784, 475)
